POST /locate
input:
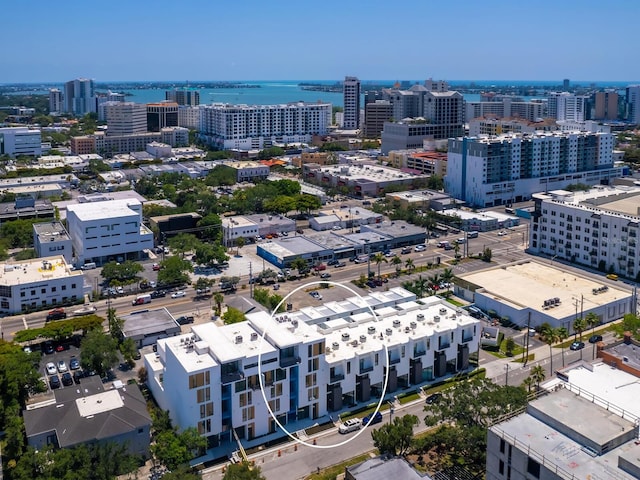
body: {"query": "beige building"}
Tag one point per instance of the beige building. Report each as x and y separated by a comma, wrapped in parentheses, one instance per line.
(321, 158)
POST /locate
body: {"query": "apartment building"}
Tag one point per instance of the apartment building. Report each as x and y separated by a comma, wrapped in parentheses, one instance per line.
(510, 168)
(425, 162)
(38, 283)
(312, 362)
(109, 230)
(20, 141)
(598, 228)
(567, 106)
(499, 126)
(255, 127)
(633, 104)
(183, 96)
(189, 117)
(79, 96)
(505, 107)
(351, 96)
(606, 105)
(56, 105)
(125, 118)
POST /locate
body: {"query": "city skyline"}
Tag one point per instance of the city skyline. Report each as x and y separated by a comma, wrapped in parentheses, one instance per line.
(256, 40)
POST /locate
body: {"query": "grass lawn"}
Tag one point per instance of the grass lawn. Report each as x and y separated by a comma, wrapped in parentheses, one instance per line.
(455, 302)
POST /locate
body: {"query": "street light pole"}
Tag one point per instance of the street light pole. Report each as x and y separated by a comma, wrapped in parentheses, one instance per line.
(506, 377)
(390, 412)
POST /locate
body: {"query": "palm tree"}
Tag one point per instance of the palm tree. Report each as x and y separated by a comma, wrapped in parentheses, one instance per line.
(421, 285)
(379, 258)
(550, 336)
(397, 261)
(528, 382)
(409, 264)
(447, 275)
(434, 281)
(456, 249)
(579, 326)
(538, 375)
(592, 321)
(563, 334)
(218, 298)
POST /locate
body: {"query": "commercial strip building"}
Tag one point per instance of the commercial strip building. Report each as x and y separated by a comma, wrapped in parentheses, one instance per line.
(586, 427)
(250, 226)
(105, 231)
(91, 413)
(247, 171)
(146, 326)
(486, 221)
(321, 247)
(50, 239)
(16, 141)
(532, 293)
(255, 127)
(423, 199)
(486, 172)
(344, 218)
(362, 180)
(599, 228)
(38, 283)
(313, 362)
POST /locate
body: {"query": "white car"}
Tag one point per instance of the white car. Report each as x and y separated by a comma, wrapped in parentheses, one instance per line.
(51, 368)
(350, 425)
(179, 294)
(420, 248)
(62, 367)
(502, 233)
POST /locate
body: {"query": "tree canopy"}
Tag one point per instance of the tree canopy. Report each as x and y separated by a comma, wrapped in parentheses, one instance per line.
(99, 352)
(243, 471)
(123, 273)
(395, 438)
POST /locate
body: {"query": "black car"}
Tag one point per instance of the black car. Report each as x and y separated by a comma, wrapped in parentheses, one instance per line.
(183, 320)
(332, 262)
(77, 375)
(595, 338)
(158, 294)
(47, 348)
(431, 399)
(54, 382)
(67, 379)
(371, 284)
(577, 346)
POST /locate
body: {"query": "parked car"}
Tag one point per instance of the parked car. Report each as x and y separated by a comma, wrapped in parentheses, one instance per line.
(183, 320)
(155, 267)
(51, 368)
(431, 399)
(595, 338)
(74, 363)
(77, 375)
(320, 267)
(67, 379)
(48, 348)
(332, 262)
(315, 294)
(54, 382)
(371, 284)
(178, 294)
(377, 418)
(56, 314)
(405, 250)
(577, 346)
(340, 264)
(325, 275)
(60, 348)
(350, 426)
(62, 366)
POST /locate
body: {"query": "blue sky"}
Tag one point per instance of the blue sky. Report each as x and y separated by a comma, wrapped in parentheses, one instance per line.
(47, 41)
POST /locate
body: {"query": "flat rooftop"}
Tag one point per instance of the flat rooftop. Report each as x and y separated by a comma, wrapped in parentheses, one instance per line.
(232, 342)
(481, 216)
(529, 284)
(396, 228)
(237, 221)
(366, 173)
(418, 196)
(331, 240)
(616, 200)
(148, 322)
(365, 237)
(38, 180)
(542, 440)
(50, 230)
(351, 213)
(36, 270)
(103, 210)
(288, 246)
(276, 221)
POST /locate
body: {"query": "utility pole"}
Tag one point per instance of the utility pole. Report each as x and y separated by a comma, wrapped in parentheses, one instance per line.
(506, 377)
(526, 339)
(250, 281)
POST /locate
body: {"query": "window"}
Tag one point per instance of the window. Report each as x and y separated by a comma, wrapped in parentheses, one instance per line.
(310, 380)
(245, 399)
(313, 364)
(248, 413)
(204, 395)
(533, 468)
(276, 390)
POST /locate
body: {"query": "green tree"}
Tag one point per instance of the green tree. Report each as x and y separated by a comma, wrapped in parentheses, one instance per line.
(538, 375)
(579, 326)
(562, 334)
(487, 254)
(550, 336)
(435, 182)
(128, 349)
(121, 274)
(397, 262)
(299, 264)
(240, 242)
(174, 271)
(233, 315)
(378, 259)
(510, 344)
(218, 298)
(99, 352)
(174, 449)
(592, 320)
(183, 242)
(409, 264)
(243, 471)
(395, 438)
(307, 203)
(115, 325)
(528, 383)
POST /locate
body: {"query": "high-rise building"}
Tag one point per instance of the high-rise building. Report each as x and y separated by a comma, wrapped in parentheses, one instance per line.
(249, 127)
(567, 106)
(351, 92)
(79, 96)
(189, 117)
(375, 114)
(183, 96)
(160, 115)
(633, 104)
(486, 172)
(606, 105)
(56, 104)
(125, 118)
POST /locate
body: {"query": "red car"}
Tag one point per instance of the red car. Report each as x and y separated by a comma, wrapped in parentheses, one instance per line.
(60, 348)
(155, 267)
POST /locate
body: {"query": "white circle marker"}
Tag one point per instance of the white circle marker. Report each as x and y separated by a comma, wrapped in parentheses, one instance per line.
(264, 395)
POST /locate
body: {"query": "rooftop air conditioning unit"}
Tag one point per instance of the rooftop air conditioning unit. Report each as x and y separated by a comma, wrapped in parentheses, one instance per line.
(335, 345)
(363, 338)
(254, 336)
(388, 331)
(413, 324)
(345, 336)
(371, 330)
(420, 316)
(396, 323)
(443, 311)
(239, 339)
(436, 318)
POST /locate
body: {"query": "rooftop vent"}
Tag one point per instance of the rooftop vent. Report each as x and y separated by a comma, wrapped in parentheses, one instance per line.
(254, 336)
(436, 318)
(443, 311)
(238, 338)
(396, 323)
(363, 338)
(345, 336)
(335, 345)
(371, 330)
(388, 331)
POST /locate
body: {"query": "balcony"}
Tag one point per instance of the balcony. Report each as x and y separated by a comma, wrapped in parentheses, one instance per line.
(393, 361)
(467, 338)
(419, 353)
(366, 369)
(337, 377)
(232, 377)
